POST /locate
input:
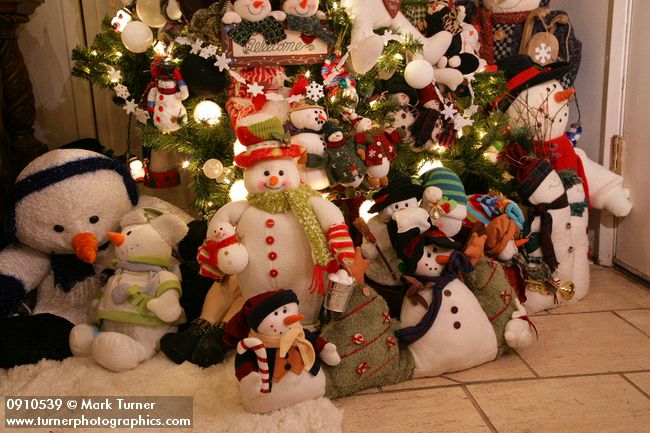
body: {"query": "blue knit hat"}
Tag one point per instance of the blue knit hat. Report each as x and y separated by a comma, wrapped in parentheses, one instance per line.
(445, 179)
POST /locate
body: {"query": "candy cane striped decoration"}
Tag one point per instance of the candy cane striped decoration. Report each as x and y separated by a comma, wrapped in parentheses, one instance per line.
(256, 345)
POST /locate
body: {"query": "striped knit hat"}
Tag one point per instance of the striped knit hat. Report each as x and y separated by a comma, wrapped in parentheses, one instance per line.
(448, 181)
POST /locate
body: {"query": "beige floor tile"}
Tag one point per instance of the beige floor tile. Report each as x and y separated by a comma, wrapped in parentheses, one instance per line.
(610, 290)
(369, 391)
(583, 404)
(642, 380)
(639, 318)
(509, 366)
(425, 382)
(585, 344)
(437, 410)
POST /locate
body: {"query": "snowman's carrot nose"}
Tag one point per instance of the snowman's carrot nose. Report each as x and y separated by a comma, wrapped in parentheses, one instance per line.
(116, 238)
(564, 95)
(321, 116)
(290, 320)
(520, 242)
(442, 260)
(85, 247)
(303, 3)
(257, 4)
(273, 180)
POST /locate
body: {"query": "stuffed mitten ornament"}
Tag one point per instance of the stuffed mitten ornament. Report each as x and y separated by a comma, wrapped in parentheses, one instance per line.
(303, 16)
(277, 362)
(140, 302)
(254, 16)
(165, 96)
(64, 203)
(291, 233)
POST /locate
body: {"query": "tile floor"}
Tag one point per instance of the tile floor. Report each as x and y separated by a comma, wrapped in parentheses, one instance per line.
(588, 372)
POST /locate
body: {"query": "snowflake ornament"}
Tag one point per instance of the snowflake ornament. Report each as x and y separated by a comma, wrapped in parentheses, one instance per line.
(196, 47)
(141, 115)
(222, 62)
(122, 91)
(130, 106)
(449, 111)
(255, 89)
(542, 54)
(314, 91)
(114, 75)
(183, 40)
(208, 51)
(389, 35)
(460, 122)
(470, 111)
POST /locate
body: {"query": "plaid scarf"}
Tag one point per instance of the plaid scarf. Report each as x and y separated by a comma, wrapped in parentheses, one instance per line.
(458, 263)
(578, 208)
(269, 27)
(310, 26)
(546, 227)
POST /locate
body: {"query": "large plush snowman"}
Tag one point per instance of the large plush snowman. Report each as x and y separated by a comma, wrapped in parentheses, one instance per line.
(291, 233)
(277, 362)
(443, 324)
(254, 16)
(165, 98)
(65, 203)
(140, 302)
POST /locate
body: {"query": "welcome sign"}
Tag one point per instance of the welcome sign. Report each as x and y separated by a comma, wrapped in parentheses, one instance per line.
(296, 49)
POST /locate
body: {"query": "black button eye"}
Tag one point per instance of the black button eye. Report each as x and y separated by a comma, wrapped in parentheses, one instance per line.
(406, 205)
(548, 89)
(275, 313)
(267, 173)
(428, 254)
(93, 219)
(281, 172)
(435, 250)
(128, 233)
(58, 228)
(396, 207)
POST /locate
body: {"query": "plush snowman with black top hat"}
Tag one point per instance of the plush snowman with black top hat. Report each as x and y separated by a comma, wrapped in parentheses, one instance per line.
(165, 97)
(277, 362)
(291, 233)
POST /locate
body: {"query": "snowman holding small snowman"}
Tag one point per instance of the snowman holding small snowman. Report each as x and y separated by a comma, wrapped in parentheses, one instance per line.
(292, 234)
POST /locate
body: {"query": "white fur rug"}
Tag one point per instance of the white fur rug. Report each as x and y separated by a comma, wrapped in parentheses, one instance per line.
(215, 391)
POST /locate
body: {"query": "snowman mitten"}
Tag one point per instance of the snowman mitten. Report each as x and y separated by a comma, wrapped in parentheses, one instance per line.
(340, 243)
(329, 355)
(251, 384)
(517, 333)
(166, 306)
(210, 349)
(81, 339)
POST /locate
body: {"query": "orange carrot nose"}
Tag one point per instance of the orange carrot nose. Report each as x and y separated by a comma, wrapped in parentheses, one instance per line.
(116, 238)
(85, 247)
(218, 234)
(303, 3)
(322, 116)
(273, 180)
(442, 260)
(290, 320)
(258, 4)
(521, 242)
(564, 95)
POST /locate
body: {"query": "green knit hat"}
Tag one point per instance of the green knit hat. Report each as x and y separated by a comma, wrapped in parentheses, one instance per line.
(257, 128)
(445, 179)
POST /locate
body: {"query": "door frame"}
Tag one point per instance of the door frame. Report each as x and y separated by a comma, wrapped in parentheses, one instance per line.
(619, 37)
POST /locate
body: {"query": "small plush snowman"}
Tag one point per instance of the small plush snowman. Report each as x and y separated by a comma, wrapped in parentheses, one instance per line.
(341, 161)
(165, 98)
(291, 233)
(223, 243)
(303, 16)
(445, 200)
(277, 362)
(140, 302)
(254, 16)
(377, 148)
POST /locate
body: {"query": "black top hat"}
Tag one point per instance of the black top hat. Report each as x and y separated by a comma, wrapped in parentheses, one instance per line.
(522, 72)
(399, 189)
(397, 84)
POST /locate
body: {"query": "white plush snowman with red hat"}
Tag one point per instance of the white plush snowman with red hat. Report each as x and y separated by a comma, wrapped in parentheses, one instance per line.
(292, 234)
(254, 16)
(277, 362)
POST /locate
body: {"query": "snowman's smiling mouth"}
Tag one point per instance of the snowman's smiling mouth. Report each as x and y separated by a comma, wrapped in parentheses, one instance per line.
(273, 187)
(298, 12)
(259, 11)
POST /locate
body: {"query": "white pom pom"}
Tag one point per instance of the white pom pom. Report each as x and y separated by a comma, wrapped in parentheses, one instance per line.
(418, 74)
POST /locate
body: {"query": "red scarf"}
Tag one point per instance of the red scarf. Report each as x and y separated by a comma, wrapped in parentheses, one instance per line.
(564, 157)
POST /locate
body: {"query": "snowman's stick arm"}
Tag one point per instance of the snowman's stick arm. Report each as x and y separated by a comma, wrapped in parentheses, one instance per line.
(363, 228)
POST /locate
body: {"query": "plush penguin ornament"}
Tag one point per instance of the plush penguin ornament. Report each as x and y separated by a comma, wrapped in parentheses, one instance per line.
(140, 302)
(65, 203)
(277, 362)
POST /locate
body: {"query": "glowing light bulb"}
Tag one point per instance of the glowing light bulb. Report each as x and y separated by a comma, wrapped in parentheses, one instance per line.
(237, 191)
(185, 164)
(207, 112)
(428, 165)
(159, 48)
(213, 168)
(238, 147)
(363, 210)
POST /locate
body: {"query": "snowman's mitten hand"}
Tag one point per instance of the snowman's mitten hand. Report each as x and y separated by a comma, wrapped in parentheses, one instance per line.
(231, 17)
(329, 355)
(475, 247)
(518, 334)
(340, 243)
(251, 383)
(432, 194)
(120, 293)
(279, 15)
(12, 292)
(515, 213)
(166, 306)
(369, 250)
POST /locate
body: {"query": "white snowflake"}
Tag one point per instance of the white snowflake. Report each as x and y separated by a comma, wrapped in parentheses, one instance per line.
(543, 54)
(314, 91)
(390, 36)
(183, 40)
(255, 89)
(449, 111)
(115, 75)
(389, 148)
(372, 153)
(130, 106)
(208, 51)
(235, 75)
(196, 47)
(121, 91)
(222, 62)
(460, 122)
(470, 111)
(141, 115)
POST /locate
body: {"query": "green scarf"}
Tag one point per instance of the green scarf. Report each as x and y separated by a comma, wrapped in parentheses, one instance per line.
(297, 200)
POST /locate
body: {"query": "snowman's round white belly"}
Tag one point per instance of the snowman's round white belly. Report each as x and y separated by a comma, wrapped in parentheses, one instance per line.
(314, 144)
(380, 170)
(461, 336)
(279, 258)
(290, 390)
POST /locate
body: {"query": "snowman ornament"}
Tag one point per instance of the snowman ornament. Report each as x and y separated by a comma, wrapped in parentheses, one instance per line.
(165, 97)
(305, 17)
(223, 244)
(277, 362)
(292, 235)
(254, 16)
(377, 148)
